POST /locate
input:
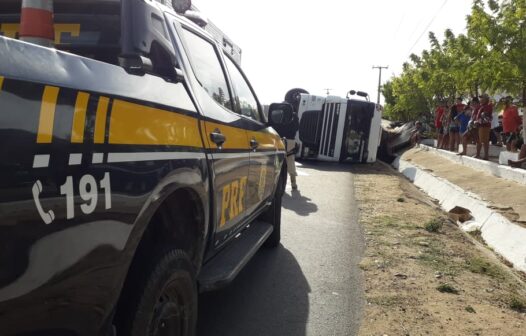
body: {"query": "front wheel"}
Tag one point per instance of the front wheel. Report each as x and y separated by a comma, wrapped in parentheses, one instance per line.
(164, 301)
(273, 214)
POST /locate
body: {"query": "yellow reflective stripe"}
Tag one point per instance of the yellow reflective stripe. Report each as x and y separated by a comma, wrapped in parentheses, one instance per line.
(267, 139)
(136, 124)
(9, 29)
(236, 138)
(1, 82)
(47, 114)
(79, 117)
(100, 120)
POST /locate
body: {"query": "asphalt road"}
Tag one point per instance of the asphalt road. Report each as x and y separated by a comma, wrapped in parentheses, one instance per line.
(311, 284)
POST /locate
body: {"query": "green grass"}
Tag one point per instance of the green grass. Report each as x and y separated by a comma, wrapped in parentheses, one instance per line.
(434, 257)
(481, 266)
(517, 304)
(477, 234)
(387, 300)
(388, 222)
(447, 288)
(434, 225)
(470, 309)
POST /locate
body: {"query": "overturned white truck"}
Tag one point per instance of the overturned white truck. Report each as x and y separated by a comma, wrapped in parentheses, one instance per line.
(336, 129)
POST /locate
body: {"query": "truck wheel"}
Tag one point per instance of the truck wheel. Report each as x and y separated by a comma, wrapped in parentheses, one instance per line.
(165, 301)
(273, 215)
(293, 97)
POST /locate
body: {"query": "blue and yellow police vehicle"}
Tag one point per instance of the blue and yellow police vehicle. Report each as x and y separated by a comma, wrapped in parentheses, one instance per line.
(136, 168)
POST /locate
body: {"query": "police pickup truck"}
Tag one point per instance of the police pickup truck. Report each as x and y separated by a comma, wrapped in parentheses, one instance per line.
(136, 169)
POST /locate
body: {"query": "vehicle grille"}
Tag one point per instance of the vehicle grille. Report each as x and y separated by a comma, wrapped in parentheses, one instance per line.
(329, 127)
(309, 128)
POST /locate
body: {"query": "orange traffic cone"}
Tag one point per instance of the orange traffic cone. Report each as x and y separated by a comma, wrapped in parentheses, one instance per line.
(36, 22)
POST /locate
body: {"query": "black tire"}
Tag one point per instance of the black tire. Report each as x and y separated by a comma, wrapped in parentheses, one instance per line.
(161, 301)
(273, 214)
(293, 97)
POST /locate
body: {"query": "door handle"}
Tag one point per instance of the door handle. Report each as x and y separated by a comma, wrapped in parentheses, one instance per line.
(217, 138)
(254, 144)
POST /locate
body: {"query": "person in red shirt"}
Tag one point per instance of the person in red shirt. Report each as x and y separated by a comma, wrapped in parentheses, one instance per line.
(510, 123)
(483, 118)
(473, 131)
(439, 114)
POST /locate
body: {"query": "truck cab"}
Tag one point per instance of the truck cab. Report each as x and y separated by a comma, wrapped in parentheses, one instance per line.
(336, 129)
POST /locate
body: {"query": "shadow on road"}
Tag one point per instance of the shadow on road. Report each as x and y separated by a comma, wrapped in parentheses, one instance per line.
(269, 297)
(299, 204)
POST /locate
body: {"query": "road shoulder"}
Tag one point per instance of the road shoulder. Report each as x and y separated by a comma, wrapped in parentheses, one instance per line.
(420, 282)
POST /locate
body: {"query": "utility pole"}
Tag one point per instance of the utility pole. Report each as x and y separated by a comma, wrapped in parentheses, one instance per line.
(328, 91)
(379, 67)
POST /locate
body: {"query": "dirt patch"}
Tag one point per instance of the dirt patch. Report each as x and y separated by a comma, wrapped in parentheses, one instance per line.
(432, 281)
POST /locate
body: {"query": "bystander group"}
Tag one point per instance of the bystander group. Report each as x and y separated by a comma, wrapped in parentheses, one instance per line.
(472, 123)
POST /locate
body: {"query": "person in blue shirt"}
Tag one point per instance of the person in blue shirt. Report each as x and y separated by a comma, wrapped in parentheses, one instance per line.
(464, 118)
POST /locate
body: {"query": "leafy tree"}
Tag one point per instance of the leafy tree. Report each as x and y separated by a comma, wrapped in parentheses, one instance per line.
(490, 57)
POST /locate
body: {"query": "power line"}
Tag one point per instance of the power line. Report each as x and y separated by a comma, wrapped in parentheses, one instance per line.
(395, 36)
(429, 25)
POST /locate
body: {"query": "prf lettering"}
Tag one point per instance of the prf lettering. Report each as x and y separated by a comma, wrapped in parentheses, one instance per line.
(12, 29)
(232, 203)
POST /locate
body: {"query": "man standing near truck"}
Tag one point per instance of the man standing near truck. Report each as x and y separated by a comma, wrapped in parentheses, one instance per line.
(288, 131)
(483, 118)
(439, 113)
(510, 124)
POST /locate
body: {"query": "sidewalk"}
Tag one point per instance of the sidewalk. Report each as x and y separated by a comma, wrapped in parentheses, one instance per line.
(498, 205)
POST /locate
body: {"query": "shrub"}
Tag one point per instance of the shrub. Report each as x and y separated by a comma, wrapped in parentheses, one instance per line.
(433, 225)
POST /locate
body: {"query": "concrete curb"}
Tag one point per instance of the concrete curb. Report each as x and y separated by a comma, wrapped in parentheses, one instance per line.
(506, 238)
(514, 174)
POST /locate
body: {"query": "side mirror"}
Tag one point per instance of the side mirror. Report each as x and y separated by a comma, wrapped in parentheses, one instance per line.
(136, 64)
(358, 93)
(280, 114)
(363, 94)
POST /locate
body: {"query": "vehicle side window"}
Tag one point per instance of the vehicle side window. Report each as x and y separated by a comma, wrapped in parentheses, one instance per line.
(207, 68)
(245, 101)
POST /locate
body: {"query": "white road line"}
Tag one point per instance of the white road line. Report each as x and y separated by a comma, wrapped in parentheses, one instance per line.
(75, 159)
(41, 160)
(97, 158)
(243, 155)
(153, 156)
(256, 154)
(230, 155)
